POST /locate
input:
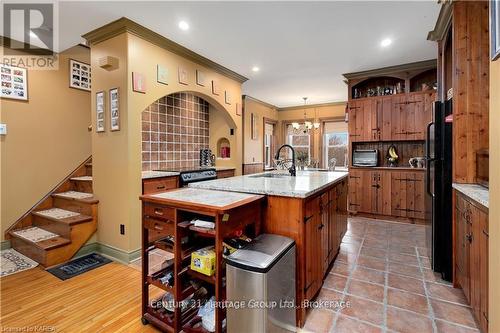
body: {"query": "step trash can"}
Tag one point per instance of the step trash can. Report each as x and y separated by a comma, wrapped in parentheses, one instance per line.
(260, 282)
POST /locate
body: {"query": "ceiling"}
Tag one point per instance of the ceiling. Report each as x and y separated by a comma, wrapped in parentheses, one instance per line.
(301, 48)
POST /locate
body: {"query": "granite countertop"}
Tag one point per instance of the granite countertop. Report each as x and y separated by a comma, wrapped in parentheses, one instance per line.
(305, 184)
(158, 174)
(476, 192)
(203, 197)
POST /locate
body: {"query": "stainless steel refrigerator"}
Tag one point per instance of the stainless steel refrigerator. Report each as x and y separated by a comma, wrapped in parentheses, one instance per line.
(439, 189)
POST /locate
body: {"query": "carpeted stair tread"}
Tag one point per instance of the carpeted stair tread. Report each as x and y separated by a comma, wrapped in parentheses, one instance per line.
(40, 237)
(82, 179)
(76, 196)
(62, 216)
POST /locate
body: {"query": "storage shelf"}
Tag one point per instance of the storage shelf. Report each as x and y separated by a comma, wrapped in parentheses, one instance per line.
(203, 277)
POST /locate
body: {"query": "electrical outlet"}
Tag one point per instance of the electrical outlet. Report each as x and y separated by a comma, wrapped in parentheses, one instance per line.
(231, 131)
(122, 229)
(3, 129)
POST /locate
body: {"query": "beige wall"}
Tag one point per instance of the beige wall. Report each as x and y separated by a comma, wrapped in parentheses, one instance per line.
(47, 137)
(333, 110)
(494, 211)
(117, 155)
(253, 149)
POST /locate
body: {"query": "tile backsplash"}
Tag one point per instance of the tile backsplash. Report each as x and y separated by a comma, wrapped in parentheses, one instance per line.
(174, 129)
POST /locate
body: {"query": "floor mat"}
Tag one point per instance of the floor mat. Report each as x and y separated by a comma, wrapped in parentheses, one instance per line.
(12, 262)
(35, 234)
(78, 266)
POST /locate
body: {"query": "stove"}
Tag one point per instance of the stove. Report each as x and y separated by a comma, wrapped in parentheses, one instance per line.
(193, 174)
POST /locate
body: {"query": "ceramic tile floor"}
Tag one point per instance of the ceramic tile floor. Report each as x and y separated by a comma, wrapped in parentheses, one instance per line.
(382, 272)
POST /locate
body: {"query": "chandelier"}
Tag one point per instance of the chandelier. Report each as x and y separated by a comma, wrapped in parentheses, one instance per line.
(306, 126)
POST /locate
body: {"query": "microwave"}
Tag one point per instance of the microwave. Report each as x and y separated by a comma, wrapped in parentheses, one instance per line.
(365, 157)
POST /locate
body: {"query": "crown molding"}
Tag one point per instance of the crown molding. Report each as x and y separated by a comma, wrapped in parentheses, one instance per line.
(245, 97)
(125, 25)
(419, 65)
(442, 23)
(309, 106)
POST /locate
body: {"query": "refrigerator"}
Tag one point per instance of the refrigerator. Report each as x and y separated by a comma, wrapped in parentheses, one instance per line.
(438, 183)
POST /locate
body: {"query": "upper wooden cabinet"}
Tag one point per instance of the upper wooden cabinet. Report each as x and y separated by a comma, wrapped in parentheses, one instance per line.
(402, 117)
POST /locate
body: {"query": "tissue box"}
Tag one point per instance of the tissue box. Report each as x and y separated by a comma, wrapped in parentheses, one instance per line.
(203, 261)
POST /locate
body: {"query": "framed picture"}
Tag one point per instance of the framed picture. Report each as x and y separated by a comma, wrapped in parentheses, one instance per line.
(238, 109)
(254, 125)
(227, 97)
(114, 110)
(200, 78)
(215, 88)
(138, 82)
(495, 29)
(99, 110)
(14, 81)
(161, 74)
(183, 75)
(79, 75)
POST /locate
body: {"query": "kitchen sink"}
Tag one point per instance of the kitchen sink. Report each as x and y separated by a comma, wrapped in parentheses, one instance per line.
(271, 175)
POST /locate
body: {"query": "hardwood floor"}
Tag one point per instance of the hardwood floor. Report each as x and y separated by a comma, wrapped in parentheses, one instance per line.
(107, 299)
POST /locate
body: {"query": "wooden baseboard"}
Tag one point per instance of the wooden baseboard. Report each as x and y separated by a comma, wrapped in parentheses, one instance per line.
(109, 251)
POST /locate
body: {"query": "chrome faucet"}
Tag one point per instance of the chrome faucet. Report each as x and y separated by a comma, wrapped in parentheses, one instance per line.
(292, 168)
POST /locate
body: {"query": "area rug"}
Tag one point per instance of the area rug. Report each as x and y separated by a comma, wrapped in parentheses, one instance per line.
(35, 234)
(78, 266)
(14, 262)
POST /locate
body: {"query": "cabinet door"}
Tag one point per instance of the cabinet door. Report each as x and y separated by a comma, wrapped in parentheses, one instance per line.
(483, 262)
(354, 188)
(398, 193)
(385, 109)
(333, 243)
(324, 211)
(461, 248)
(364, 192)
(474, 263)
(370, 115)
(312, 248)
(398, 118)
(376, 196)
(356, 121)
(419, 195)
(341, 220)
(421, 107)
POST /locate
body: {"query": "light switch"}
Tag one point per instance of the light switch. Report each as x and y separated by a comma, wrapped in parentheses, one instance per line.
(3, 129)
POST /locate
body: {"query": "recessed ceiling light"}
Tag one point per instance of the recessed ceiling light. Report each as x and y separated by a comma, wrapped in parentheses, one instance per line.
(183, 25)
(255, 69)
(386, 42)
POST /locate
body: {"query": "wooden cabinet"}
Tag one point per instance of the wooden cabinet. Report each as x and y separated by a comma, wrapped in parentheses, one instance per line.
(402, 117)
(387, 192)
(324, 213)
(471, 256)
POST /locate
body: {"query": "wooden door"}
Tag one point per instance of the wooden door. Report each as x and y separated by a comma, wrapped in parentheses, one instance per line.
(475, 267)
(371, 129)
(398, 193)
(461, 266)
(354, 190)
(312, 248)
(376, 195)
(419, 195)
(364, 192)
(483, 262)
(385, 109)
(421, 106)
(324, 211)
(356, 121)
(398, 118)
(333, 243)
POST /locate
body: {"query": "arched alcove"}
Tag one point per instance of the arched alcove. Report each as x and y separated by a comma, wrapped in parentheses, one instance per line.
(223, 148)
(176, 127)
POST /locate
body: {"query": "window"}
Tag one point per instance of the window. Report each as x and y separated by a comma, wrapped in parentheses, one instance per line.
(335, 143)
(302, 144)
(268, 145)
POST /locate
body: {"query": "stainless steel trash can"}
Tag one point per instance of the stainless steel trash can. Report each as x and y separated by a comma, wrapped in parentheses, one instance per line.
(261, 286)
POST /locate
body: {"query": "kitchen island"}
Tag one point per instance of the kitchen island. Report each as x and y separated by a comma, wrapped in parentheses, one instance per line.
(310, 208)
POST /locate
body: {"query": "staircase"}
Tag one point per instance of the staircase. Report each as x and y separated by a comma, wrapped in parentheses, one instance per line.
(61, 223)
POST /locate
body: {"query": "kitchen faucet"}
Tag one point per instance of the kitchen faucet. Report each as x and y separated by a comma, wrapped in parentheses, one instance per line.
(292, 168)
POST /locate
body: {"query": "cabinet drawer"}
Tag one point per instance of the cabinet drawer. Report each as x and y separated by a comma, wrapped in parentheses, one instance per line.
(159, 212)
(225, 174)
(156, 185)
(158, 229)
